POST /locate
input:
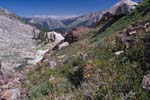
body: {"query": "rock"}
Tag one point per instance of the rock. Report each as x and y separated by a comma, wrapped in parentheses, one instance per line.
(27, 82)
(63, 45)
(15, 94)
(1, 78)
(86, 57)
(1, 93)
(16, 80)
(6, 95)
(0, 65)
(9, 85)
(20, 76)
(136, 29)
(24, 93)
(11, 94)
(89, 66)
(146, 82)
(118, 53)
(129, 96)
(88, 70)
(76, 33)
(55, 37)
(28, 68)
(52, 64)
(38, 57)
(62, 56)
(147, 27)
(65, 59)
(75, 68)
(51, 78)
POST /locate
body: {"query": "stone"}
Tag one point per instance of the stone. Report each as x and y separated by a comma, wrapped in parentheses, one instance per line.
(62, 56)
(28, 68)
(6, 95)
(147, 27)
(118, 53)
(16, 94)
(146, 82)
(55, 37)
(38, 57)
(51, 64)
(76, 33)
(0, 65)
(7, 78)
(51, 78)
(1, 90)
(89, 66)
(129, 96)
(63, 45)
(24, 93)
(88, 70)
(8, 85)
(86, 57)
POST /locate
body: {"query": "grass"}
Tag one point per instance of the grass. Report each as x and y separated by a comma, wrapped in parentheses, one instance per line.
(111, 78)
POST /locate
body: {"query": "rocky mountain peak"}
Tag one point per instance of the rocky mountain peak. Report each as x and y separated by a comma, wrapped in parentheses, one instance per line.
(129, 2)
(123, 7)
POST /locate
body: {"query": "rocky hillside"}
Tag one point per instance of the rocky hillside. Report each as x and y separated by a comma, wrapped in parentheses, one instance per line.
(15, 38)
(113, 65)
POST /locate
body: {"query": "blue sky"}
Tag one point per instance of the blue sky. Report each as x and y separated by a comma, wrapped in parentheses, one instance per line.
(55, 7)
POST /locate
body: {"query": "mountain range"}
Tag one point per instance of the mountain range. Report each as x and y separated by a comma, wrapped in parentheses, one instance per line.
(87, 20)
(49, 23)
